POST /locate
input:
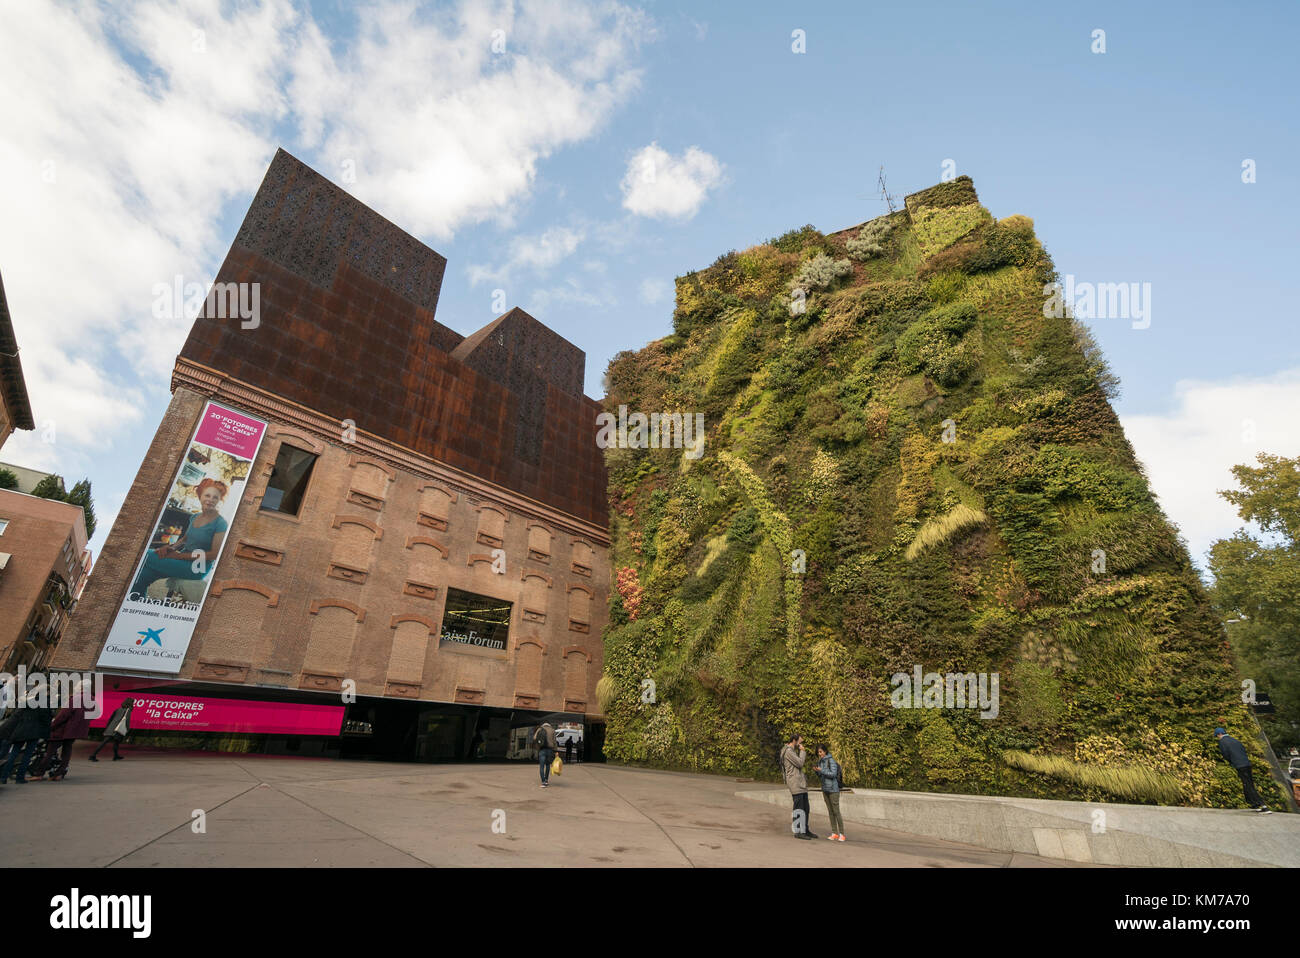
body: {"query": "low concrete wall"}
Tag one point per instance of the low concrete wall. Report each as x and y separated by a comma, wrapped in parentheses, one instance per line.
(1140, 835)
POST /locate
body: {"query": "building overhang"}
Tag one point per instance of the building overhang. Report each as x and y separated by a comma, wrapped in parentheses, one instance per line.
(11, 370)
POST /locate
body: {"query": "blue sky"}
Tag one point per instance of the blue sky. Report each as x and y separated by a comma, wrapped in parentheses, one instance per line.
(135, 144)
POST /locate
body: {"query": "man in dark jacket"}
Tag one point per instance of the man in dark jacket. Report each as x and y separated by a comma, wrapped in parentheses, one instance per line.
(544, 739)
(32, 728)
(7, 726)
(1236, 755)
(68, 726)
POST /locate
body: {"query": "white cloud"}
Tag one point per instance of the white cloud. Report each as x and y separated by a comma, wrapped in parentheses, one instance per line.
(531, 252)
(133, 132)
(121, 145)
(655, 290)
(570, 291)
(443, 131)
(662, 186)
(1188, 453)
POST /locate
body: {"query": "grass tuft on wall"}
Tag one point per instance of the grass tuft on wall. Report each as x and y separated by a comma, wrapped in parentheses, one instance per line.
(1134, 783)
(952, 524)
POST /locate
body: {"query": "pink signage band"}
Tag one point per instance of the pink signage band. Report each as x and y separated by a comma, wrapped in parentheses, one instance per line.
(229, 431)
(189, 713)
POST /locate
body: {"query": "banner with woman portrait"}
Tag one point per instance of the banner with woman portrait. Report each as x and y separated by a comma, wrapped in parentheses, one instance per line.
(156, 621)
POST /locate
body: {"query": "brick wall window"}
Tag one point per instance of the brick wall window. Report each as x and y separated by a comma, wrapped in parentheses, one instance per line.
(539, 543)
(491, 526)
(579, 608)
(289, 478)
(583, 557)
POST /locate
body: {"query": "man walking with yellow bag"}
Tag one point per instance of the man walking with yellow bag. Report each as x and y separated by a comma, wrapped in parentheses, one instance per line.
(544, 739)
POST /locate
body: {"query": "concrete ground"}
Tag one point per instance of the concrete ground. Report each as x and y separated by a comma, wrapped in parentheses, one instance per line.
(301, 812)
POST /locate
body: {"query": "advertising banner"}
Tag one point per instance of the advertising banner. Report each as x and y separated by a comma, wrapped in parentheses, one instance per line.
(155, 623)
(188, 713)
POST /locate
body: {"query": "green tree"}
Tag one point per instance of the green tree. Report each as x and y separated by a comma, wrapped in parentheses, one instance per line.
(8, 480)
(51, 487)
(80, 496)
(1257, 581)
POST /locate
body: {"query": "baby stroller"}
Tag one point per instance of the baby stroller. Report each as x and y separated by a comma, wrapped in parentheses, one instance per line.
(36, 771)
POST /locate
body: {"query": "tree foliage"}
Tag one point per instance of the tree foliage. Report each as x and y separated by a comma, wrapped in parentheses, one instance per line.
(1257, 582)
(51, 487)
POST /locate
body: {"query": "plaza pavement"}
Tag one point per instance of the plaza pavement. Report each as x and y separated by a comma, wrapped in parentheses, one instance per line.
(273, 811)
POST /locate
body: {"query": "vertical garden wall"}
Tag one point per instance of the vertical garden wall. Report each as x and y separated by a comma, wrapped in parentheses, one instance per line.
(906, 464)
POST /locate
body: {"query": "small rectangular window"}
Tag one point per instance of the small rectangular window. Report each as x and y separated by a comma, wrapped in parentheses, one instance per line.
(4, 523)
(288, 481)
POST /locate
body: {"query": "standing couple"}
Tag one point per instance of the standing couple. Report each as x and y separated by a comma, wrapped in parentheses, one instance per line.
(831, 774)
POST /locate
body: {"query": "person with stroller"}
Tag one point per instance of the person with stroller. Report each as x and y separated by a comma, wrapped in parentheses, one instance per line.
(31, 728)
(68, 726)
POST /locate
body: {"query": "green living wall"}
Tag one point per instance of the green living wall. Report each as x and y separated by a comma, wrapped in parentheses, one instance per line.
(905, 464)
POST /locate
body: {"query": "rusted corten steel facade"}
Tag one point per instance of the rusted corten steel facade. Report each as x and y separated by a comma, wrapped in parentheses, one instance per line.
(348, 330)
(41, 544)
(433, 451)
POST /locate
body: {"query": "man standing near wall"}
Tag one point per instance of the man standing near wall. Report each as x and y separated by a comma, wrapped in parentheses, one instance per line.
(1236, 755)
(792, 759)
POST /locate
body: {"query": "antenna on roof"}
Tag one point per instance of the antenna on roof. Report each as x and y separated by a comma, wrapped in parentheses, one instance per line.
(884, 193)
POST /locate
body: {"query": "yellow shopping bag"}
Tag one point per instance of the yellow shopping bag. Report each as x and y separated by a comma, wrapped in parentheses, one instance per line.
(557, 766)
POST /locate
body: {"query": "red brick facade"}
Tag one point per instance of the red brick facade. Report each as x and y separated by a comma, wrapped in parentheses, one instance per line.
(41, 544)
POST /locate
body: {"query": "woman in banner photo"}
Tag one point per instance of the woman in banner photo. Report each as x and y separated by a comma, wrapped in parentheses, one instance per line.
(203, 534)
